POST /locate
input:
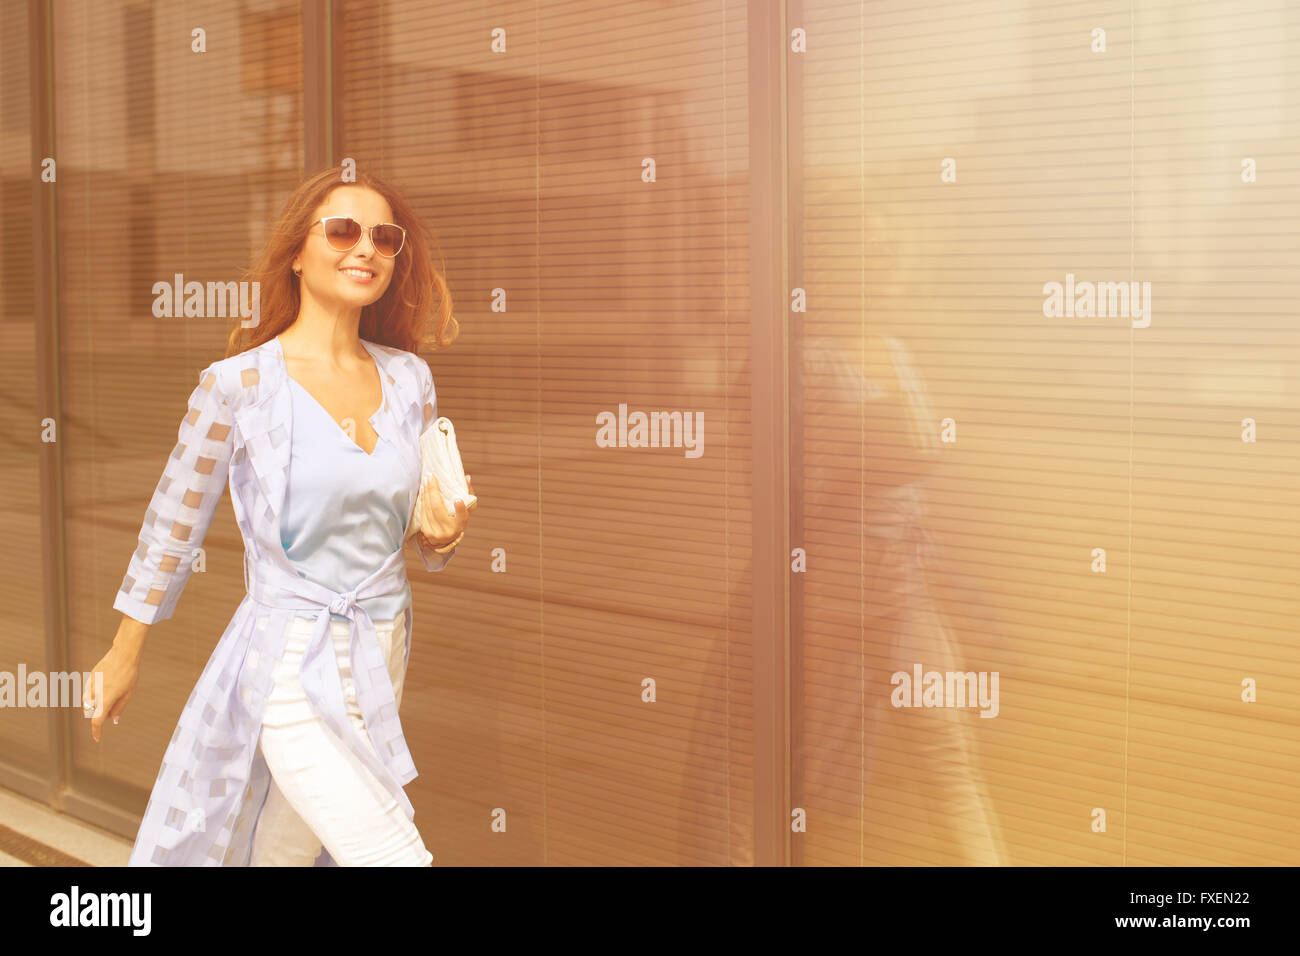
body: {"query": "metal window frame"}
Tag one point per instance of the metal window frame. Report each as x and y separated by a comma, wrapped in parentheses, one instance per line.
(46, 787)
(770, 231)
(318, 36)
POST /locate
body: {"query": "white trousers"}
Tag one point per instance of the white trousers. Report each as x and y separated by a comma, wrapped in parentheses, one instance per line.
(319, 793)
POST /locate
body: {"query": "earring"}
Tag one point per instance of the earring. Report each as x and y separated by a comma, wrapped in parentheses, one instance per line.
(298, 273)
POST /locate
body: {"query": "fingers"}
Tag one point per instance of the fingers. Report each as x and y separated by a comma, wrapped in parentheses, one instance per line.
(114, 713)
(97, 710)
(434, 505)
(436, 522)
(430, 520)
(89, 708)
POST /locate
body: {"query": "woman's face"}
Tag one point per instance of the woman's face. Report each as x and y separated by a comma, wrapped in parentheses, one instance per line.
(358, 276)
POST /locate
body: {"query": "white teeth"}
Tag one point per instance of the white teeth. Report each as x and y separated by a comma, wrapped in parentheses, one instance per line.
(359, 273)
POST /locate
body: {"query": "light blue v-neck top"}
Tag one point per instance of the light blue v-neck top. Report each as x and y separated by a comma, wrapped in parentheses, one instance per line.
(344, 510)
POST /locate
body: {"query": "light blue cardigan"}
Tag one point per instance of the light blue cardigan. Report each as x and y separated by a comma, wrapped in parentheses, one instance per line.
(213, 781)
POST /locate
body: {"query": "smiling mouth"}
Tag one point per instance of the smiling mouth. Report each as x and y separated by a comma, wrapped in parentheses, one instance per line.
(361, 275)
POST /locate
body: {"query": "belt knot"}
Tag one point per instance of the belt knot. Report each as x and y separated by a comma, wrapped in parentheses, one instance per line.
(343, 602)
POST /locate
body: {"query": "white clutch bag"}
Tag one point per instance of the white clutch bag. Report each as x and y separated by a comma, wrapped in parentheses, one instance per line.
(440, 459)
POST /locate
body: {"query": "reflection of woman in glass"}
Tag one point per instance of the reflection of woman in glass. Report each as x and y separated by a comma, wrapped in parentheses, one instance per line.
(290, 740)
(924, 801)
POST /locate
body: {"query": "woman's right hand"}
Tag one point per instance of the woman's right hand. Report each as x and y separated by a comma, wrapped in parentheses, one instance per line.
(120, 668)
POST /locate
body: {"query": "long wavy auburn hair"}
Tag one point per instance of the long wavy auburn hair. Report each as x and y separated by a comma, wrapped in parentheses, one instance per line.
(413, 312)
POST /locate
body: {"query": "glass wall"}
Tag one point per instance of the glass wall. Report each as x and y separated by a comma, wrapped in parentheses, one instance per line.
(1039, 383)
(583, 664)
(173, 150)
(1049, 406)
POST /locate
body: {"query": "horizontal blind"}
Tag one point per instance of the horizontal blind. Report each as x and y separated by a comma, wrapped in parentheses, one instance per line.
(156, 178)
(580, 289)
(970, 461)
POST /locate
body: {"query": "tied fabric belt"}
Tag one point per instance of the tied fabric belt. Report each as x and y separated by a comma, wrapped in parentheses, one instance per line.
(273, 586)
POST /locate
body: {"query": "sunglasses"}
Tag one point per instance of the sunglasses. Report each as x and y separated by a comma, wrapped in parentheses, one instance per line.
(343, 232)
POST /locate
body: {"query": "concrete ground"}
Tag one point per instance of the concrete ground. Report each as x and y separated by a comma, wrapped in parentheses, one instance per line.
(34, 834)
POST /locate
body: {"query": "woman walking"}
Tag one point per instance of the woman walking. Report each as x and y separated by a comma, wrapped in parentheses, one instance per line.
(290, 740)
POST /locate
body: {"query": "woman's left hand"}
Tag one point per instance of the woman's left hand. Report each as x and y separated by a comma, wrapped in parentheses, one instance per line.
(443, 529)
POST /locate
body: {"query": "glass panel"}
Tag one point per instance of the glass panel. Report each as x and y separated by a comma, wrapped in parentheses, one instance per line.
(1098, 506)
(160, 182)
(584, 290)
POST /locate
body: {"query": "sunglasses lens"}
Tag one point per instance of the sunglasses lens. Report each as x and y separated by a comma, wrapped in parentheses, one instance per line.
(342, 234)
(387, 238)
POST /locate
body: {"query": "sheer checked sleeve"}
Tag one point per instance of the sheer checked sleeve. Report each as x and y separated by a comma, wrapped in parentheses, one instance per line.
(182, 507)
(432, 560)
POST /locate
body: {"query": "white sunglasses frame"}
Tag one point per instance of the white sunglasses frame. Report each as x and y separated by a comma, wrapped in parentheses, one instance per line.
(365, 231)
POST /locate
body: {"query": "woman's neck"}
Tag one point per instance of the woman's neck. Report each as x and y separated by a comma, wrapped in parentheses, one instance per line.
(323, 336)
